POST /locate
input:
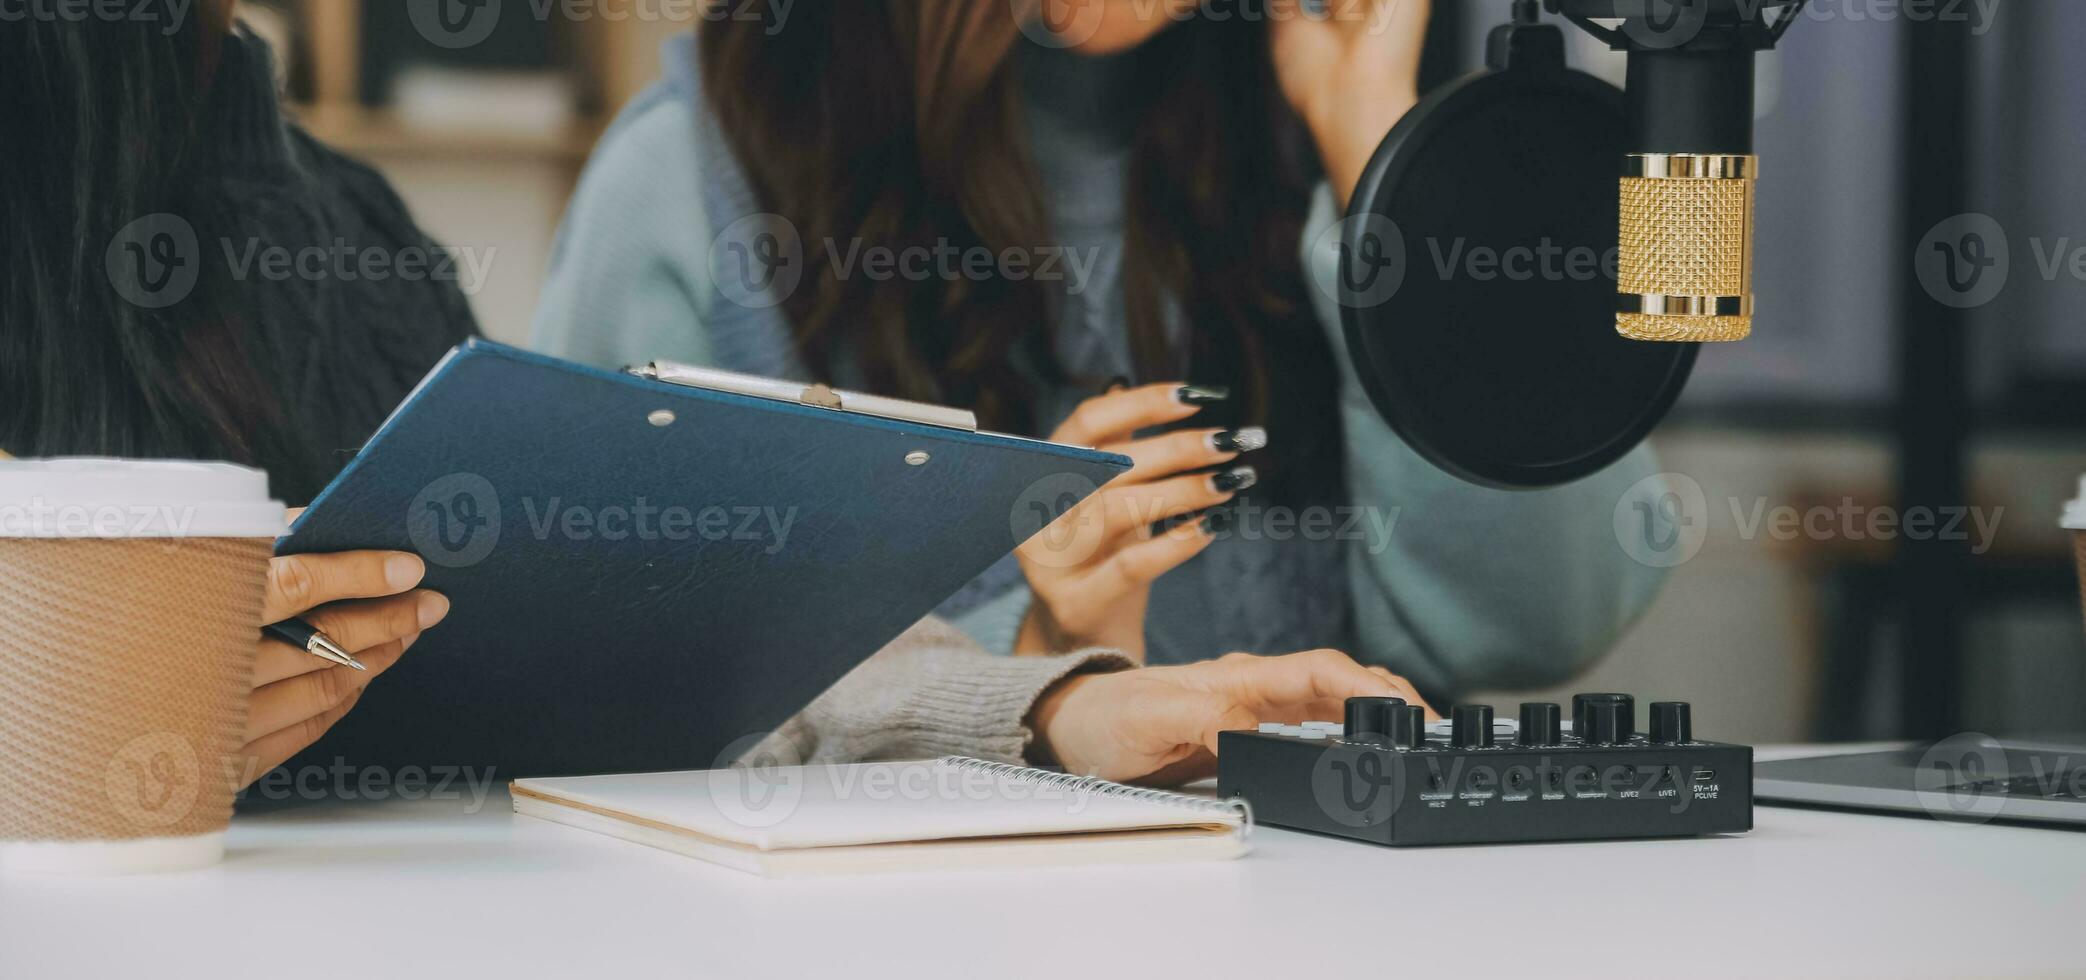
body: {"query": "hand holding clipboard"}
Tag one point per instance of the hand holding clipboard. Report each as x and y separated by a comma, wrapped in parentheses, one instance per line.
(649, 566)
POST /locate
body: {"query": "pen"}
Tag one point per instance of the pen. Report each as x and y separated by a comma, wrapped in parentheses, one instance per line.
(306, 637)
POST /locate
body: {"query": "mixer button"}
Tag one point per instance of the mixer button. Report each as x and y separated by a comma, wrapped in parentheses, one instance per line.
(1409, 726)
(1541, 724)
(1370, 716)
(1604, 719)
(1672, 723)
(1471, 726)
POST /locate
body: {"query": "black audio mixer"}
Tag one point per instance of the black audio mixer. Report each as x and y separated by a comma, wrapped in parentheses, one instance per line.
(1388, 777)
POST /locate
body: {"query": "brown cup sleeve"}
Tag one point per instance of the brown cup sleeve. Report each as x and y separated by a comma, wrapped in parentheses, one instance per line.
(125, 670)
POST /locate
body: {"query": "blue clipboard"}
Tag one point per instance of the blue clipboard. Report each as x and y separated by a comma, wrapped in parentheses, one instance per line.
(643, 573)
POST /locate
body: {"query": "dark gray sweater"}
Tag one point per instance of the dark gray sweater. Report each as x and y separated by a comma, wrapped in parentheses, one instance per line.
(340, 347)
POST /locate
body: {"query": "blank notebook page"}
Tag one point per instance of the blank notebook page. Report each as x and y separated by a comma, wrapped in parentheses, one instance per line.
(871, 803)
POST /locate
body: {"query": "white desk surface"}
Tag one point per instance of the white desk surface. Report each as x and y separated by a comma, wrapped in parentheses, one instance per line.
(427, 890)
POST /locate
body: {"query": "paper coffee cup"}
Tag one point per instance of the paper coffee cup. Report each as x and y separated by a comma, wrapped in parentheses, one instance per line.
(2075, 520)
(130, 607)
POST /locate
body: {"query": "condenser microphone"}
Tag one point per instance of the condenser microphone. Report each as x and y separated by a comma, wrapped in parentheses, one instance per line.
(1684, 270)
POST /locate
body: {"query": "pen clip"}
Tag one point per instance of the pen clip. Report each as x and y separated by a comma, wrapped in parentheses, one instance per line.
(813, 395)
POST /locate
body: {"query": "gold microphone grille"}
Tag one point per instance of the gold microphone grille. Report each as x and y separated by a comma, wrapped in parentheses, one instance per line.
(1687, 243)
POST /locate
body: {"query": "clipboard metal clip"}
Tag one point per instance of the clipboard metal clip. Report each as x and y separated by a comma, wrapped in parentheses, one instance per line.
(813, 395)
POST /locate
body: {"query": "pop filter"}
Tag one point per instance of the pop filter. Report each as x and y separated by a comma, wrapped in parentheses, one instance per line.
(1477, 276)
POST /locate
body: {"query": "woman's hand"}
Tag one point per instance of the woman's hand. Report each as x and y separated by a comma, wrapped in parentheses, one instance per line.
(1092, 569)
(362, 600)
(1160, 724)
(1352, 71)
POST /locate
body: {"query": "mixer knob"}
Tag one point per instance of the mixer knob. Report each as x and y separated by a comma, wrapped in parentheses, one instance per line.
(1470, 726)
(1370, 717)
(1616, 723)
(1409, 726)
(1606, 723)
(1541, 724)
(1672, 723)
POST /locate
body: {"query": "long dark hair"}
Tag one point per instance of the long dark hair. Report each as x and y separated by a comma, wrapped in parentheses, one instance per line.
(107, 151)
(897, 122)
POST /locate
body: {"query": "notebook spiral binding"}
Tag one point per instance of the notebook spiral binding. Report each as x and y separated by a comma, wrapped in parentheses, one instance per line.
(1102, 787)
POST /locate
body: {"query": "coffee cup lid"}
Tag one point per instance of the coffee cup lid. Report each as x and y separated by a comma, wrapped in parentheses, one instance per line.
(121, 498)
(2075, 511)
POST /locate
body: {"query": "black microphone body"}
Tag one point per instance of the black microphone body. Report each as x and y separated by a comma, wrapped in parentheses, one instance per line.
(1691, 101)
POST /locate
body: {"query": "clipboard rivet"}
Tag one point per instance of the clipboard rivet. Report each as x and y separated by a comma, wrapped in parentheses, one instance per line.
(661, 418)
(917, 458)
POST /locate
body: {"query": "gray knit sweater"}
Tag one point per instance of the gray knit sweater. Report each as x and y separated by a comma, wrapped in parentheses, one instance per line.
(931, 692)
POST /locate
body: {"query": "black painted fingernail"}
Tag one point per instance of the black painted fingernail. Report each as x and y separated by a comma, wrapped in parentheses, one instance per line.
(1240, 440)
(1235, 479)
(1215, 522)
(1201, 394)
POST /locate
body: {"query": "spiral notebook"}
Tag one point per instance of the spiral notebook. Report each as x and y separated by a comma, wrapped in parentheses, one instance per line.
(891, 816)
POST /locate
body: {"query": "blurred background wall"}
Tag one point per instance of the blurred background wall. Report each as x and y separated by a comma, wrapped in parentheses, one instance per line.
(483, 140)
(1775, 637)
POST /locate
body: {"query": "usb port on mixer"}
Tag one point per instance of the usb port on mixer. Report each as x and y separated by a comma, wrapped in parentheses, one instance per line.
(1705, 775)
